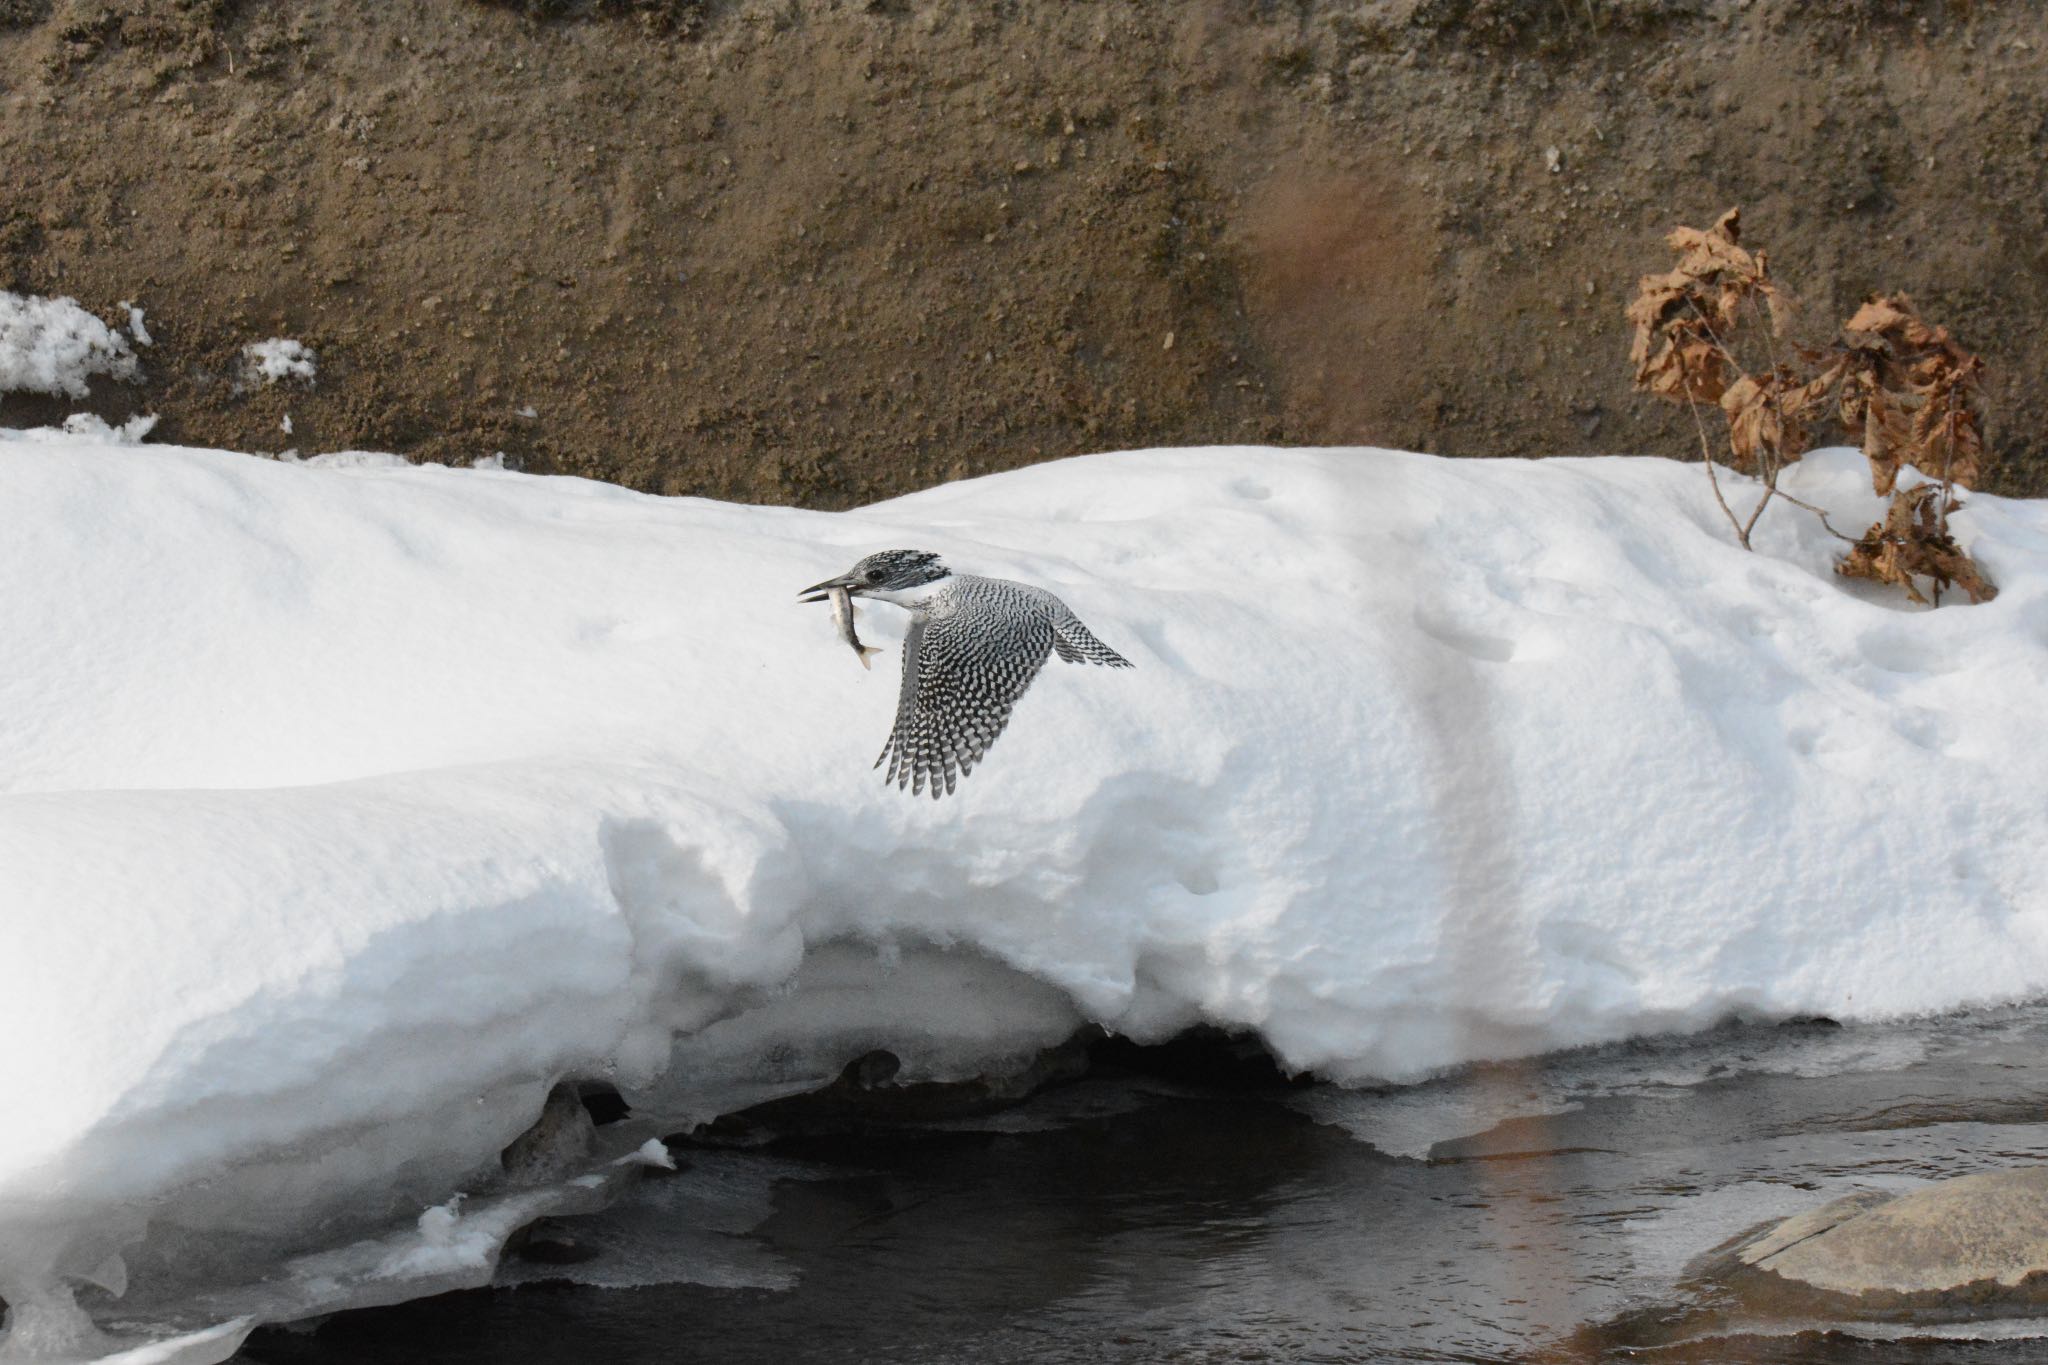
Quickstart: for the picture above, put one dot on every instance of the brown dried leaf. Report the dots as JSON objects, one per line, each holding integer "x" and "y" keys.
{"x": 1771, "y": 417}
{"x": 1801, "y": 401}
{"x": 1684, "y": 317}
{"x": 1891, "y": 318}
{"x": 1682, "y": 368}
{"x": 1913, "y": 392}
{"x": 1702, "y": 253}
{"x": 1946, "y": 441}
{"x": 1887, "y": 435}
{"x": 1670, "y": 339}
{"x": 1752, "y": 423}
{"x": 1910, "y": 542}
{"x": 1657, "y": 296}
{"x": 1881, "y": 316}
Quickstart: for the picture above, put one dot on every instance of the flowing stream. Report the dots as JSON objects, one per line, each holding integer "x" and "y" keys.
{"x": 1543, "y": 1211}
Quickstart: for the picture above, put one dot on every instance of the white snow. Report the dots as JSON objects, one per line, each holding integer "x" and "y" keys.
{"x": 653, "y": 1153}
{"x": 136, "y": 327}
{"x": 54, "y": 346}
{"x": 94, "y": 428}
{"x": 347, "y": 459}
{"x": 347, "y": 805}
{"x": 278, "y": 359}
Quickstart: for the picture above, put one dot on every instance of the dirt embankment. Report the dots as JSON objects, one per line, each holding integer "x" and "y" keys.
{"x": 829, "y": 250}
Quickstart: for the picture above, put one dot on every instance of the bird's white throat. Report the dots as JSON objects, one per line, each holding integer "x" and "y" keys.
{"x": 910, "y": 597}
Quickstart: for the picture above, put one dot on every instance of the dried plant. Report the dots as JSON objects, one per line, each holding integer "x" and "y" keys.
{"x": 1912, "y": 393}
{"x": 1911, "y": 542}
{"x": 1687, "y": 324}
{"x": 1906, "y": 389}
{"x": 1684, "y": 317}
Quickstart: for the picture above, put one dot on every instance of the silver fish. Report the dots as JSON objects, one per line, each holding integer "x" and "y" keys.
{"x": 842, "y": 616}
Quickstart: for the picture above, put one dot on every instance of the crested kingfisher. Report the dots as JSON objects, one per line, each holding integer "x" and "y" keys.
{"x": 974, "y": 645}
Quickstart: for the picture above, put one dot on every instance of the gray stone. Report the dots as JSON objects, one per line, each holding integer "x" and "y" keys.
{"x": 1985, "y": 1232}
{"x": 558, "y": 1145}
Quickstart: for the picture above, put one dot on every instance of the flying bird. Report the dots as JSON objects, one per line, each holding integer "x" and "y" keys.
{"x": 974, "y": 645}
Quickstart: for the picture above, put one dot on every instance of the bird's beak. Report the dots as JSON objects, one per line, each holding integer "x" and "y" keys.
{"x": 818, "y": 592}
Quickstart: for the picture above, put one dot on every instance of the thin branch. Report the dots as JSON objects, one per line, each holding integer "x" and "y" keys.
{"x": 1770, "y": 482}
{"x": 1692, "y": 405}
{"x": 1948, "y": 460}
{"x": 1775, "y": 450}
{"x": 1822, "y": 514}
{"x": 1756, "y": 515}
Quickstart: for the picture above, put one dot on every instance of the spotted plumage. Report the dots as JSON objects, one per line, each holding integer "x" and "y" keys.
{"x": 973, "y": 647}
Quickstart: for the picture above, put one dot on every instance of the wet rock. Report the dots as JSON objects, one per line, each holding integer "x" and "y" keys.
{"x": 867, "y": 1097}
{"x": 1973, "y": 1246}
{"x": 559, "y": 1142}
{"x": 545, "y": 1243}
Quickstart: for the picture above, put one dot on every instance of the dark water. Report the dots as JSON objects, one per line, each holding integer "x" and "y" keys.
{"x": 1543, "y": 1212}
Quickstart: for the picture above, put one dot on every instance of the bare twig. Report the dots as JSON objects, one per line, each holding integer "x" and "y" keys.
{"x": 1948, "y": 481}
{"x": 1819, "y": 512}
{"x": 1770, "y": 482}
{"x": 1707, "y": 453}
{"x": 1771, "y": 459}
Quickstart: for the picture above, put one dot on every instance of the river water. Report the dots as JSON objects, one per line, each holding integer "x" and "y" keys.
{"x": 1544, "y": 1211}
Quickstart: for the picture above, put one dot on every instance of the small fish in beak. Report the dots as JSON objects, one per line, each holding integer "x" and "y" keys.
{"x": 835, "y": 590}
{"x": 842, "y": 616}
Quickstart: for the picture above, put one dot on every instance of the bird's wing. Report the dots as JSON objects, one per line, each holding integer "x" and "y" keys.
{"x": 1077, "y": 644}
{"x": 962, "y": 672}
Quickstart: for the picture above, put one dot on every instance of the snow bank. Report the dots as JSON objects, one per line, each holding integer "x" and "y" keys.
{"x": 54, "y": 346}
{"x": 344, "y": 807}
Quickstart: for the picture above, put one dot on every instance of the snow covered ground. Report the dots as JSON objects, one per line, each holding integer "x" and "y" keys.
{"x": 345, "y": 806}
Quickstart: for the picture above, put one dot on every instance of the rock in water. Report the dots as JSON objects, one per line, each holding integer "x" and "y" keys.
{"x": 559, "y": 1142}
{"x": 1975, "y": 1243}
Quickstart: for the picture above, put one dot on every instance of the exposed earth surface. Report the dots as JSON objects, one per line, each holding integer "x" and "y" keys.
{"x": 825, "y": 251}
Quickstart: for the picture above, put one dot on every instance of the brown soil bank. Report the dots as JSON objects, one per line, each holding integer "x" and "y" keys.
{"x": 829, "y": 250}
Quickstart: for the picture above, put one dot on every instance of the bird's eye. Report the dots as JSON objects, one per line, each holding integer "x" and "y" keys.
{"x": 874, "y": 575}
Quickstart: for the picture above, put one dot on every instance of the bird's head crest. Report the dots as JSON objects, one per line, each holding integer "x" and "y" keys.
{"x": 895, "y": 570}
